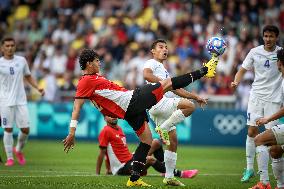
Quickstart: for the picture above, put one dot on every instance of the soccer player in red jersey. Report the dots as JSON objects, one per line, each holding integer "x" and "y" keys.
{"x": 113, "y": 146}
{"x": 130, "y": 105}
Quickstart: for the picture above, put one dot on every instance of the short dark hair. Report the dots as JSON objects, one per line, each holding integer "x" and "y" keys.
{"x": 87, "y": 55}
{"x": 153, "y": 46}
{"x": 280, "y": 55}
{"x": 7, "y": 38}
{"x": 271, "y": 28}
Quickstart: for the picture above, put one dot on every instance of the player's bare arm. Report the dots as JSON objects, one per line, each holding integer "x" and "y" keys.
{"x": 34, "y": 84}
{"x": 239, "y": 76}
{"x": 100, "y": 160}
{"x": 150, "y": 77}
{"x": 273, "y": 117}
{"x": 185, "y": 94}
{"x": 69, "y": 141}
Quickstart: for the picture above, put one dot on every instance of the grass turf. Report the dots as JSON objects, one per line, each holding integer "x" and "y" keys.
{"x": 49, "y": 167}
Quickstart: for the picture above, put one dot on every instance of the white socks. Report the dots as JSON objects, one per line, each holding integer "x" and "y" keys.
{"x": 176, "y": 117}
{"x": 278, "y": 171}
{"x": 170, "y": 163}
{"x": 262, "y": 162}
{"x": 22, "y": 138}
{"x": 8, "y": 144}
{"x": 250, "y": 152}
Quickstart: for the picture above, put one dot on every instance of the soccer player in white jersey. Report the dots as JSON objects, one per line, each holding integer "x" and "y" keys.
{"x": 13, "y": 101}
{"x": 274, "y": 137}
{"x": 171, "y": 110}
{"x": 264, "y": 100}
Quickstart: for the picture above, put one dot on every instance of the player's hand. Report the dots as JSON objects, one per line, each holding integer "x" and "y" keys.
{"x": 69, "y": 142}
{"x": 261, "y": 121}
{"x": 41, "y": 91}
{"x": 234, "y": 85}
{"x": 202, "y": 102}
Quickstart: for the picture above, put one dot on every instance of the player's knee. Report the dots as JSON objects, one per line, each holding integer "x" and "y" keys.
{"x": 276, "y": 151}
{"x": 150, "y": 160}
{"x": 156, "y": 143}
{"x": 252, "y": 131}
{"x": 258, "y": 140}
{"x": 25, "y": 130}
{"x": 8, "y": 130}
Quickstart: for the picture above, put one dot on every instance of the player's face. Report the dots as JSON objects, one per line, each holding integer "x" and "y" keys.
{"x": 269, "y": 39}
{"x": 161, "y": 51}
{"x": 110, "y": 120}
{"x": 94, "y": 67}
{"x": 8, "y": 48}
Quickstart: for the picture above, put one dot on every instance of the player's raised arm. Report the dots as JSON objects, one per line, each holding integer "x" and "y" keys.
{"x": 69, "y": 141}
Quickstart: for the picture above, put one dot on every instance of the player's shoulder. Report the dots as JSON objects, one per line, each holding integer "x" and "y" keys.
{"x": 20, "y": 59}
{"x": 257, "y": 49}
{"x": 151, "y": 62}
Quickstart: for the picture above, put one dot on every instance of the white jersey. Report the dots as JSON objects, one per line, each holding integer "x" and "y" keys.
{"x": 267, "y": 80}
{"x": 12, "y": 72}
{"x": 159, "y": 71}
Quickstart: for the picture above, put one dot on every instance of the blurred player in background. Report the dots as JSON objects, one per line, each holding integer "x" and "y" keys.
{"x": 13, "y": 101}
{"x": 265, "y": 98}
{"x": 274, "y": 137}
{"x": 118, "y": 102}
{"x": 172, "y": 109}
{"x": 113, "y": 145}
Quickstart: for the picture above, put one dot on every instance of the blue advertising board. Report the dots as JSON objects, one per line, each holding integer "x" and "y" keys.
{"x": 204, "y": 127}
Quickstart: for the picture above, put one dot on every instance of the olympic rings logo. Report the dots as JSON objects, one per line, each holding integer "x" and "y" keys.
{"x": 229, "y": 124}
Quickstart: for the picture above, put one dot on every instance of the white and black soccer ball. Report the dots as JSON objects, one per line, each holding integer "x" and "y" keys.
{"x": 216, "y": 46}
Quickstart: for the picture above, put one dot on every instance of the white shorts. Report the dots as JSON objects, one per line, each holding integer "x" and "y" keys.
{"x": 12, "y": 114}
{"x": 163, "y": 110}
{"x": 278, "y": 131}
{"x": 258, "y": 108}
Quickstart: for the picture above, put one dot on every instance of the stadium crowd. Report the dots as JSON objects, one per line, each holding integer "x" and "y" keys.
{"x": 50, "y": 34}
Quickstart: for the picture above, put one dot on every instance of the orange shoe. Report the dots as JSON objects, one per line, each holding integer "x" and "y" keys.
{"x": 260, "y": 185}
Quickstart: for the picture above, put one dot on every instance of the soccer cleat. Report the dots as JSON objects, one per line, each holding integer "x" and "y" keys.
{"x": 9, "y": 162}
{"x": 164, "y": 135}
{"x": 138, "y": 182}
{"x": 189, "y": 173}
{"x": 260, "y": 185}
{"x": 20, "y": 157}
{"x": 247, "y": 174}
{"x": 211, "y": 65}
{"x": 172, "y": 182}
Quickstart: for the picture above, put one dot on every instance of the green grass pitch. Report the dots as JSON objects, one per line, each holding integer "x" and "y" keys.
{"x": 49, "y": 167}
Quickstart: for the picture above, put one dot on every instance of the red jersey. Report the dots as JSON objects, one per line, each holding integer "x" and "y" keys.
{"x": 109, "y": 98}
{"x": 117, "y": 150}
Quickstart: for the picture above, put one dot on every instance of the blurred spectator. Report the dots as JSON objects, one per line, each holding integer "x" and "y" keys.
{"x": 51, "y": 34}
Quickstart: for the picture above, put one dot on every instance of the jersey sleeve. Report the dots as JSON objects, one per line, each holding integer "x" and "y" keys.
{"x": 26, "y": 67}
{"x": 248, "y": 62}
{"x": 103, "y": 138}
{"x": 149, "y": 64}
{"x": 85, "y": 89}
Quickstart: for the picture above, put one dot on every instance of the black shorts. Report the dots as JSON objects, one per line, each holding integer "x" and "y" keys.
{"x": 143, "y": 98}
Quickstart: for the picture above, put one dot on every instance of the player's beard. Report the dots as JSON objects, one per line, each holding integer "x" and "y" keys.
{"x": 114, "y": 122}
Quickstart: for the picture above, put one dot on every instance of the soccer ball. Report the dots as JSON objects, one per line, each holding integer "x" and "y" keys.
{"x": 216, "y": 46}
